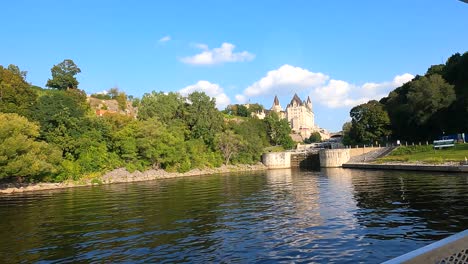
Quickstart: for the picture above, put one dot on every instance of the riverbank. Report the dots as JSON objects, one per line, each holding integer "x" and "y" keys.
{"x": 446, "y": 167}
{"x": 122, "y": 175}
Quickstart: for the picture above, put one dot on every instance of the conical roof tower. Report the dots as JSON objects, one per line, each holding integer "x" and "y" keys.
{"x": 309, "y": 103}
{"x": 276, "y": 105}
{"x": 295, "y": 99}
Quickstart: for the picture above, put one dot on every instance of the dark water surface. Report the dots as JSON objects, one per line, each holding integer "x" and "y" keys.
{"x": 335, "y": 215}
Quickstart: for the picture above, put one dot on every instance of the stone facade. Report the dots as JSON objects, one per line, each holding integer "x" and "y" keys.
{"x": 300, "y": 116}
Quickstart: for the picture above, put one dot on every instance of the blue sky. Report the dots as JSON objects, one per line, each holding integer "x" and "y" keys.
{"x": 340, "y": 53}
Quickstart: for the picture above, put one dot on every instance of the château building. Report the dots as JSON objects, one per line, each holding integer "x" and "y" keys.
{"x": 299, "y": 114}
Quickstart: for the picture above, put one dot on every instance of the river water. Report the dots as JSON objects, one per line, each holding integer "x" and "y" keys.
{"x": 336, "y": 215}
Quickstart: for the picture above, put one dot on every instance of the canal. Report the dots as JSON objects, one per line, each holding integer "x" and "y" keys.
{"x": 289, "y": 216}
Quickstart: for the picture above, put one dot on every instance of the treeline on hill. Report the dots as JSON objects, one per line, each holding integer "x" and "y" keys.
{"x": 423, "y": 109}
{"x": 242, "y": 110}
{"x": 53, "y": 135}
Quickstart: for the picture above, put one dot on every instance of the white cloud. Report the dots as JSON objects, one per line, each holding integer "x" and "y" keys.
{"x": 399, "y": 80}
{"x": 241, "y": 99}
{"x": 211, "y": 89}
{"x": 165, "y": 39}
{"x": 286, "y": 77}
{"x": 200, "y": 46}
{"x": 331, "y": 93}
{"x": 343, "y": 94}
{"x": 335, "y": 94}
{"x": 217, "y": 55}
{"x": 103, "y": 92}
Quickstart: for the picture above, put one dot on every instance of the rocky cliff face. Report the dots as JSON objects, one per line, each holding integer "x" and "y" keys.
{"x": 111, "y": 106}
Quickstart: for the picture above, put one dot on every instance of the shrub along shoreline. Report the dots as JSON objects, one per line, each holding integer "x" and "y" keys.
{"x": 121, "y": 175}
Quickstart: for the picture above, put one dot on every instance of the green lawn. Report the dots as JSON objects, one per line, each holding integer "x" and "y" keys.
{"x": 426, "y": 154}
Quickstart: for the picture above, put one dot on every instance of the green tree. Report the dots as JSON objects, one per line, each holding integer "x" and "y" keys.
{"x": 136, "y": 102}
{"x": 119, "y": 96}
{"x": 428, "y": 95}
{"x": 255, "y": 108}
{"x": 456, "y": 73}
{"x": 63, "y": 75}
{"x": 279, "y": 131}
{"x": 113, "y": 92}
{"x": 243, "y": 111}
{"x": 314, "y": 137}
{"x": 157, "y": 146}
{"x": 346, "y": 130}
{"x": 429, "y": 105}
{"x": 121, "y": 99}
{"x": 370, "y": 122}
{"x": 230, "y": 110}
{"x": 436, "y": 69}
{"x": 16, "y": 96}
{"x": 20, "y": 154}
{"x": 229, "y": 144}
{"x": 202, "y": 117}
{"x": 60, "y": 114}
{"x": 16, "y": 70}
{"x": 164, "y": 107}
{"x": 254, "y": 133}
{"x": 201, "y": 156}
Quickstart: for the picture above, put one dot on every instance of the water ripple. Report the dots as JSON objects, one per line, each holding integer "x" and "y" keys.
{"x": 283, "y": 216}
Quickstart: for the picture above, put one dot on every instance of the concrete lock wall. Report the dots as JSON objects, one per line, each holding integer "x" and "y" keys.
{"x": 360, "y": 151}
{"x": 277, "y": 160}
{"x": 330, "y": 158}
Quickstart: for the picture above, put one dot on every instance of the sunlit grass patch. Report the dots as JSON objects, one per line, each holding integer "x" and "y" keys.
{"x": 427, "y": 154}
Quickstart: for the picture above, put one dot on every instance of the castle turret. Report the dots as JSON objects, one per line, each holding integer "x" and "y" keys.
{"x": 276, "y": 105}
{"x": 309, "y": 103}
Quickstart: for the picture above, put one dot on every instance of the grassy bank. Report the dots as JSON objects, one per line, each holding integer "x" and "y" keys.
{"x": 427, "y": 154}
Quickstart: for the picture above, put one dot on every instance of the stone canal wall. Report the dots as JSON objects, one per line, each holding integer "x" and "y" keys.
{"x": 326, "y": 158}
{"x": 277, "y": 160}
{"x": 332, "y": 158}
{"x": 308, "y": 160}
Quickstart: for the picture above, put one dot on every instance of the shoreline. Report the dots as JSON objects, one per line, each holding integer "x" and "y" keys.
{"x": 447, "y": 167}
{"x": 121, "y": 175}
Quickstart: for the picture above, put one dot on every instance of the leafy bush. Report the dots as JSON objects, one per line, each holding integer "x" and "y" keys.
{"x": 20, "y": 154}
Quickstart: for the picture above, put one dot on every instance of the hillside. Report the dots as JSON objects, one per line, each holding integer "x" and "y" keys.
{"x": 102, "y": 107}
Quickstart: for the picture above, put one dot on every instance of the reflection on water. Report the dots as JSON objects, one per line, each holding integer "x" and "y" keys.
{"x": 335, "y": 215}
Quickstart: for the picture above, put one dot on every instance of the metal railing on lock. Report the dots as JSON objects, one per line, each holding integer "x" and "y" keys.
{"x": 453, "y": 249}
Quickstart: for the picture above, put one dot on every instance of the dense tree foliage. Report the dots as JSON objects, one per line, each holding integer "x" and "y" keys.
{"x": 423, "y": 109}
{"x": 253, "y": 131}
{"x": 243, "y": 110}
{"x": 279, "y": 131}
{"x": 313, "y": 138}
{"x": 16, "y": 95}
{"x": 16, "y": 70}
{"x": 63, "y": 75}
{"x": 202, "y": 117}
{"x": 164, "y": 107}
{"x": 229, "y": 144}
{"x": 53, "y": 134}
{"x": 20, "y": 154}
{"x": 370, "y": 122}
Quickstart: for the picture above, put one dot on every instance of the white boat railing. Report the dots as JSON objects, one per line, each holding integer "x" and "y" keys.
{"x": 453, "y": 249}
